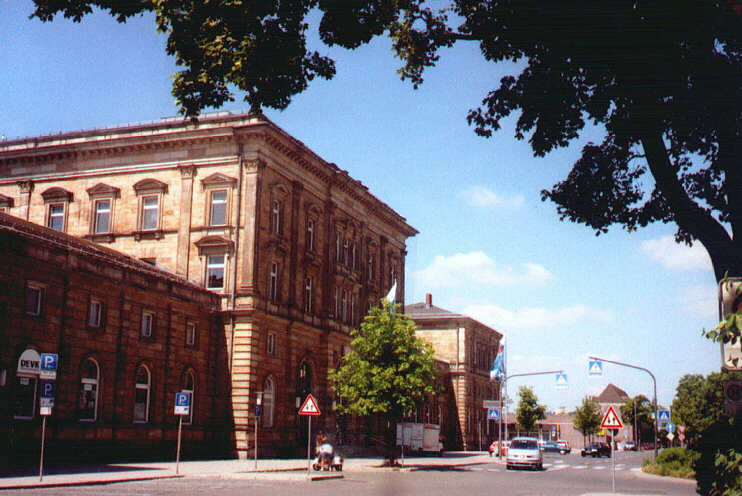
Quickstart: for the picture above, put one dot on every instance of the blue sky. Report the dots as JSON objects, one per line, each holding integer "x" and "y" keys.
{"x": 488, "y": 246}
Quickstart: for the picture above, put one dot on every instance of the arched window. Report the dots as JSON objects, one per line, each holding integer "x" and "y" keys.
{"x": 189, "y": 386}
{"x": 89, "y": 381}
{"x": 141, "y": 395}
{"x": 269, "y": 393}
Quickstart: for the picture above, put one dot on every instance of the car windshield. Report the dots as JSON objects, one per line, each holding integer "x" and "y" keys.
{"x": 524, "y": 444}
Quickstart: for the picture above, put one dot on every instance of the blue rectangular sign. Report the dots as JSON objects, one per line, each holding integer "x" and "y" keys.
{"x": 493, "y": 414}
{"x": 47, "y": 389}
{"x": 182, "y": 403}
{"x": 663, "y": 416}
{"x": 48, "y": 366}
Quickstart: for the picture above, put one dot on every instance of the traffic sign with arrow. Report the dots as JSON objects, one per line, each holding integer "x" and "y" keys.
{"x": 611, "y": 421}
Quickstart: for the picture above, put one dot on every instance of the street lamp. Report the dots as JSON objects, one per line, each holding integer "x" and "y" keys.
{"x": 654, "y": 381}
{"x": 258, "y": 414}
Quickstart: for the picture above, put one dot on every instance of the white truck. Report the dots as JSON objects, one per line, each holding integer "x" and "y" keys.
{"x": 424, "y": 438}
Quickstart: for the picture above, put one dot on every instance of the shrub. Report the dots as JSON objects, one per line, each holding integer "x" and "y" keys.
{"x": 672, "y": 462}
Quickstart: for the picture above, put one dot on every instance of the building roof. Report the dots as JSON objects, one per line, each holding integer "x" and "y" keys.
{"x": 613, "y": 394}
{"x": 18, "y": 227}
{"x": 418, "y": 310}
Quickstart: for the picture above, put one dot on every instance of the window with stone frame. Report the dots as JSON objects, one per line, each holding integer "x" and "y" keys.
{"x": 57, "y": 202}
{"x": 344, "y": 306}
{"x": 6, "y": 203}
{"x": 276, "y": 209}
{"x": 102, "y": 198}
{"x": 310, "y": 234}
{"x": 191, "y": 331}
{"x": 273, "y": 284}
{"x": 308, "y": 294}
{"x": 215, "y": 271}
{"x": 89, "y": 391}
{"x": 271, "y": 344}
{"x": 336, "y": 299}
{"x": 147, "y": 326}
{"x": 150, "y": 196}
{"x": 142, "y": 386}
{"x": 269, "y": 395}
{"x": 95, "y": 313}
{"x": 218, "y": 189}
{"x": 34, "y": 298}
{"x": 188, "y": 385}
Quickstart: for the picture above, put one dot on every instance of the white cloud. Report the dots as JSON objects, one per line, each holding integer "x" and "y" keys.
{"x": 677, "y": 256}
{"x": 481, "y": 197}
{"x": 477, "y": 268}
{"x": 535, "y": 317}
{"x": 700, "y": 301}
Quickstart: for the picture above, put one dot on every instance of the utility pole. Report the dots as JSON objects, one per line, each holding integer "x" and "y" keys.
{"x": 654, "y": 381}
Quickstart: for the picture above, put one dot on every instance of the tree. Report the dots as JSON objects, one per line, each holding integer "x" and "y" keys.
{"x": 644, "y": 415}
{"x": 388, "y": 371}
{"x": 587, "y": 417}
{"x": 529, "y": 412}
{"x": 663, "y": 79}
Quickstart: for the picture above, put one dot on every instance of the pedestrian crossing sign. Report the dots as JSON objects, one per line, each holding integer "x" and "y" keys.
{"x": 561, "y": 382}
{"x": 595, "y": 368}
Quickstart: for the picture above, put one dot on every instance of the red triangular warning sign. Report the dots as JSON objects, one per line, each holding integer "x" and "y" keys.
{"x": 611, "y": 421}
{"x": 309, "y": 407}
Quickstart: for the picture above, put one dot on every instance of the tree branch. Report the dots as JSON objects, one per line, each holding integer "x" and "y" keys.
{"x": 689, "y": 216}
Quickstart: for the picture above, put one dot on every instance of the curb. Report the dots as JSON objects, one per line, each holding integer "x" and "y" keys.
{"x": 42, "y": 485}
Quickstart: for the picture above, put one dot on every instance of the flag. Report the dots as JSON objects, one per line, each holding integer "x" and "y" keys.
{"x": 498, "y": 366}
{"x": 392, "y": 294}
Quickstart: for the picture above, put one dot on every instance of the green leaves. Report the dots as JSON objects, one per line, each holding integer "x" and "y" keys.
{"x": 389, "y": 370}
{"x": 529, "y": 412}
{"x": 587, "y": 417}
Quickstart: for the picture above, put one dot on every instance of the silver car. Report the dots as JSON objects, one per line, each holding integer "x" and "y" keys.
{"x": 524, "y": 452}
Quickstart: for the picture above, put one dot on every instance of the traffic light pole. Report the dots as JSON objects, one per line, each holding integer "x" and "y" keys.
{"x": 654, "y": 381}
{"x": 504, "y": 405}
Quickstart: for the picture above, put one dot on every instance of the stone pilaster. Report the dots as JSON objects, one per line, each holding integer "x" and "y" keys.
{"x": 250, "y": 252}
{"x": 184, "y": 226}
{"x": 296, "y": 190}
{"x": 26, "y": 188}
{"x": 328, "y": 262}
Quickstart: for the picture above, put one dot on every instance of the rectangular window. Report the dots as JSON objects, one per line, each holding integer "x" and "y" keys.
{"x": 354, "y": 257}
{"x": 55, "y": 219}
{"x": 190, "y": 337}
{"x": 337, "y": 303}
{"x": 218, "y": 208}
{"x": 215, "y": 272}
{"x": 94, "y": 313}
{"x": 148, "y": 319}
{"x": 370, "y": 267}
{"x": 88, "y": 400}
{"x": 33, "y": 299}
{"x": 141, "y": 402}
{"x": 346, "y": 259}
{"x": 310, "y": 235}
{"x": 102, "y": 217}
{"x": 271, "y": 348}
{"x": 337, "y": 247}
{"x": 150, "y": 212}
{"x": 308, "y": 295}
{"x": 345, "y": 306}
{"x": 25, "y": 398}
{"x": 276, "y": 217}
{"x": 273, "y": 289}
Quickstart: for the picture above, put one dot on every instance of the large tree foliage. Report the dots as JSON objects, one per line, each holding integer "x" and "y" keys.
{"x": 587, "y": 417}
{"x": 663, "y": 78}
{"x": 388, "y": 371}
{"x": 639, "y": 408}
{"x": 529, "y": 412}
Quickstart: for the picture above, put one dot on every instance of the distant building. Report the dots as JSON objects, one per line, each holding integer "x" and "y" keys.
{"x": 469, "y": 348}
{"x": 614, "y": 396}
{"x": 295, "y": 248}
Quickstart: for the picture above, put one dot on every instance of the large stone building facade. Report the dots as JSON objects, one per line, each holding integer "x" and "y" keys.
{"x": 296, "y": 249}
{"x": 128, "y": 336}
{"x": 469, "y": 348}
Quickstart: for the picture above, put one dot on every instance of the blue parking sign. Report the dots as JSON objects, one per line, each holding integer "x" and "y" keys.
{"x": 48, "y": 366}
{"x": 182, "y": 403}
{"x": 47, "y": 389}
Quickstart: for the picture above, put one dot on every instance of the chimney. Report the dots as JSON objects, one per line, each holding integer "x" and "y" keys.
{"x": 428, "y": 300}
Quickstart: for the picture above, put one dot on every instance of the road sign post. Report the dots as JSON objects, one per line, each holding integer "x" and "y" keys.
{"x": 182, "y": 408}
{"x": 47, "y": 374}
{"x": 310, "y": 409}
{"x": 611, "y": 421}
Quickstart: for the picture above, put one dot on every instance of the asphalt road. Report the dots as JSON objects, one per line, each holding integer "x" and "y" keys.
{"x": 563, "y": 475}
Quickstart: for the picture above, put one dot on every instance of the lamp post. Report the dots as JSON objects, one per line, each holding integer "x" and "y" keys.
{"x": 504, "y": 405}
{"x": 258, "y": 414}
{"x": 654, "y": 381}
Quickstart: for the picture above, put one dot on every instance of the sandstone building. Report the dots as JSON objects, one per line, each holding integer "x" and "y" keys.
{"x": 469, "y": 347}
{"x": 128, "y": 335}
{"x": 295, "y": 248}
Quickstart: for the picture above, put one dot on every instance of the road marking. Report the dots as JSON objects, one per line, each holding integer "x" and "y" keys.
{"x": 560, "y": 467}
{"x": 493, "y": 470}
{"x": 580, "y": 466}
{"x": 476, "y": 469}
{"x": 599, "y": 467}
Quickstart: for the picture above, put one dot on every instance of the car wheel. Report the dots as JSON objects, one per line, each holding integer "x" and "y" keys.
{"x": 508, "y": 467}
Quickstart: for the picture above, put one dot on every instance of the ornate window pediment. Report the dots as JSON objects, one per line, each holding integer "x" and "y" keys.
{"x": 214, "y": 241}
{"x": 150, "y": 185}
{"x": 102, "y": 189}
{"x": 57, "y": 194}
{"x": 218, "y": 178}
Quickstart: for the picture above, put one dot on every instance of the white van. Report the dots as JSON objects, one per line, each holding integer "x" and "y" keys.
{"x": 524, "y": 452}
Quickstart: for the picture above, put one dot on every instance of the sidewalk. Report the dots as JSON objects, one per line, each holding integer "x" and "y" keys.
{"x": 294, "y": 469}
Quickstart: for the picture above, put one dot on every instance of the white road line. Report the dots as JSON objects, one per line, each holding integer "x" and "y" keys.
{"x": 599, "y": 467}
{"x": 560, "y": 467}
{"x": 493, "y": 470}
{"x": 476, "y": 469}
{"x": 579, "y": 466}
